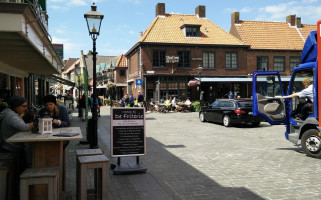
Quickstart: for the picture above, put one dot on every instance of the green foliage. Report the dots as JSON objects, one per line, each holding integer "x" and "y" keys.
{"x": 107, "y": 101}
{"x": 196, "y": 106}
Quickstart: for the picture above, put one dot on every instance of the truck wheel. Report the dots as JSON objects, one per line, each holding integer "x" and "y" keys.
{"x": 202, "y": 117}
{"x": 311, "y": 143}
{"x": 226, "y": 121}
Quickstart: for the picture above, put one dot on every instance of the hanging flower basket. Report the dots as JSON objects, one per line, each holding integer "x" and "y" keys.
{"x": 193, "y": 83}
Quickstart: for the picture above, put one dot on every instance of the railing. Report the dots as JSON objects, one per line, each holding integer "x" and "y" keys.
{"x": 40, "y": 14}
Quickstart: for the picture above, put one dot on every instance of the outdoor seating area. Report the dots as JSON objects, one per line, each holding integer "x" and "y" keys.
{"x": 165, "y": 108}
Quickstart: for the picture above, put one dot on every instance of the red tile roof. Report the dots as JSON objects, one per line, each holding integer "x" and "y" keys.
{"x": 271, "y": 35}
{"x": 167, "y": 29}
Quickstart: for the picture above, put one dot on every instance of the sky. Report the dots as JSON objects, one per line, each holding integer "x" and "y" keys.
{"x": 124, "y": 19}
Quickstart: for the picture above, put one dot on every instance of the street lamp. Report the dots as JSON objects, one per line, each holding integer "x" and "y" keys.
{"x": 94, "y": 19}
{"x": 200, "y": 71}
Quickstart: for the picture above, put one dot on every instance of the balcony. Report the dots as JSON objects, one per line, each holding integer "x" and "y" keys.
{"x": 25, "y": 44}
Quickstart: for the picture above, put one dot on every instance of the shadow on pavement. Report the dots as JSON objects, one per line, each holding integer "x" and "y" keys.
{"x": 182, "y": 181}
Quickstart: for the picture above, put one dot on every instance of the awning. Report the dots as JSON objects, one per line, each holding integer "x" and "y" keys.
{"x": 233, "y": 79}
{"x": 102, "y": 86}
{"x": 121, "y": 84}
{"x": 225, "y": 79}
{"x": 61, "y": 80}
{"x": 25, "y": 45}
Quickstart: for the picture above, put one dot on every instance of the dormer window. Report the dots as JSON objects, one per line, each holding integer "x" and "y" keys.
{"x": 191, "y": 30}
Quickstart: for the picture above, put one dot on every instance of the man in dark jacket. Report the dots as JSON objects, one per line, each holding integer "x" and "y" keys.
{"x": 140, "y": 99}
{"x": 131, "y": 100}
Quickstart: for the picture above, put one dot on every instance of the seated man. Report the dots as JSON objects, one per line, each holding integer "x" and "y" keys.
{"x": 304, "y": 109}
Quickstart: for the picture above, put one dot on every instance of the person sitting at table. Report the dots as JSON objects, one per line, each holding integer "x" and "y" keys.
{"x": 59, "y": 113}
{"x": 188, "y": 102}
{"x": 11, "y": 122}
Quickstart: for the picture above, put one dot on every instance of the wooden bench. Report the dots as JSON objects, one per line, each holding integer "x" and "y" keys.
{"x": 36, "y": 176}
{"x": 99, "y": 163}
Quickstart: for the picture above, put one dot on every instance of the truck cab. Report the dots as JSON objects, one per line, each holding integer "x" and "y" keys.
{"x": 269, "y": 101}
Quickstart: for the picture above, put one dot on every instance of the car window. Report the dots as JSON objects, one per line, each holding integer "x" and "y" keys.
{"x": 215, "y": 104}
{"x": 245, "y": 103}
{"x": 226, "y": 104}
{"x": 229, "y": 104}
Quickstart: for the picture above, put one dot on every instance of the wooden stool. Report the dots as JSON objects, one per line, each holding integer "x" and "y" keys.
{"x": 12, "y": 182}
{"x": 88, "y": 152}
{"x": 98, "y": 162}
{"x": 4, "y": 170}
{"x": 35, "y": 176}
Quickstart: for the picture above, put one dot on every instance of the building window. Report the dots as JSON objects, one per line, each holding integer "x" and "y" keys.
{"x": 279, "y": 63}
{"x": 294, "y": 61}
{"x": 209, "y": 60}
{"x": 184, "y": 59}
{"x": 231, "y": 60}
{"x": 159, "y": 59}
{"x": 262, "y": 63}
{"x": 129, "y": 65}
{"x": 122, "y": 72}
{"x": 139, "y": 61}
{"x": 192, "y": 31}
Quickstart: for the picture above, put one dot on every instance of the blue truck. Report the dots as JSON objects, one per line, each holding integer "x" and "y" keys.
{"x": 269, "y": 101}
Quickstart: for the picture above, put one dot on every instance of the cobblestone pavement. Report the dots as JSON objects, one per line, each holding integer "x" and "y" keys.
{"x": 191, "y": 160}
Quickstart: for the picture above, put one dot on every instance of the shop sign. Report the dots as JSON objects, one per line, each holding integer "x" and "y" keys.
{"x": 128, "y": 136}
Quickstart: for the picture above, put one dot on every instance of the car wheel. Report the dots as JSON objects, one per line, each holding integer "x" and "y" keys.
{"x": 226, "y": 121}
{"x": 202, "y": 117}
{"x": 311, "y": 143}
{"x": 255, "y": 123}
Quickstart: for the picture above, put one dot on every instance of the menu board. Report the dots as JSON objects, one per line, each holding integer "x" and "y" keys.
{"x": 127, "y": 131}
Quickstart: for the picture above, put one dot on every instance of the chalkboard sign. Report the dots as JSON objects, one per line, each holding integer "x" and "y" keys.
{"x": 127, "y": 131}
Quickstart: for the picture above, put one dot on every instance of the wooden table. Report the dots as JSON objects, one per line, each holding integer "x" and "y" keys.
{"x": 47, "y": 151}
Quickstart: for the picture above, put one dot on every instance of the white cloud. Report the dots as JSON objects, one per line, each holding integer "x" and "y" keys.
{"x": 133, "y": 32}
{"x": 70, "y": 48}
{"x": 113, "y": 52}
{"x": 77, "y": 3}
{"x": 56, "y": 1}
{"x": 130, "y": 1}
{"x": 309, "y": 1}
{"x": 246, "y": 10}
{"x": 59, "y": 8}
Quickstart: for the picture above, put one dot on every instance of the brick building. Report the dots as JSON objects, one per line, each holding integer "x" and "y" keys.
{"x": 169, "y": 52}
{"x": 274, "y": 46}
{"x": 196, "y": 41}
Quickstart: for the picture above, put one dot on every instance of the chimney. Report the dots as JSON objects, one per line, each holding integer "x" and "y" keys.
{"x": 235, "y": 18}
{"x": 160, "y": 9}
{"x": 298, "y": 22}
{"x": 291, "y": 20}
{"x": 200, "y": 11}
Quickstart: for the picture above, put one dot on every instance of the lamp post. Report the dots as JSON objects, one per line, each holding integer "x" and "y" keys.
{"x": 94, "y": 19}
{"x": 200, "y": 71}
{"x": 78, "y": 73}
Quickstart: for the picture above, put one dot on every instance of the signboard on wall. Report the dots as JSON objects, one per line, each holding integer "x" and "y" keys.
{"x": 59, "y": 49}
{"x": 128, "y": 136}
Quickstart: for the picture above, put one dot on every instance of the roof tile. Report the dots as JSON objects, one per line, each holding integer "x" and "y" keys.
{"x": 168, "y": 30}
{"x": 273, "y": 35}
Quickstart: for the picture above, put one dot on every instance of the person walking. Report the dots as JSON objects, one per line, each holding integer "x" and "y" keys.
{"x": 82, "y": 107}
{"x": 131, "y": 100}
{"x": 140, "y": 99}
{"x": 126, "y": 100}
